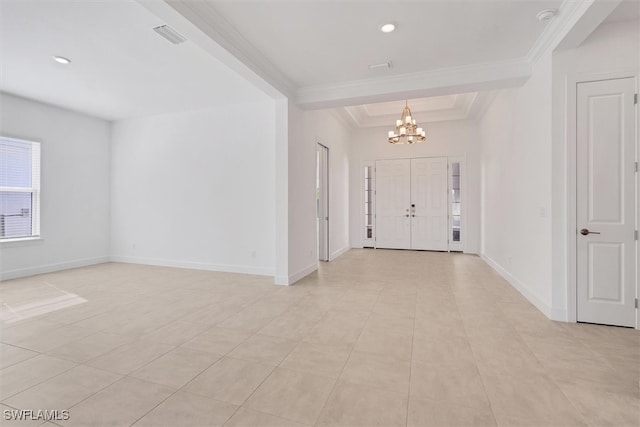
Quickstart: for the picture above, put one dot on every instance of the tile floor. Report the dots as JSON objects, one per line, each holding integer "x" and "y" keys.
{"x": 374, "y": 338}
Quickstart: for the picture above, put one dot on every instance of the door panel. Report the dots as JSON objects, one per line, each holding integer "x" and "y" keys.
{"x": 393, "y": 226}
{"x": 429, "y": 204}
{"x": 606, "y": 202}
{"x": 322, "y": 195}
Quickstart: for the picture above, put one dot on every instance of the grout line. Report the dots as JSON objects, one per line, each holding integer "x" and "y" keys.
{"x": 337, "y": 380}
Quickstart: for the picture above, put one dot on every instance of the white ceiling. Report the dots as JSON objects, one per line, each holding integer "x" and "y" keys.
{"x": 120, "y": 69}
{"x": 317, "y": 52}
{"x": 328, "y": 42}
{"x": 627, "y": 10}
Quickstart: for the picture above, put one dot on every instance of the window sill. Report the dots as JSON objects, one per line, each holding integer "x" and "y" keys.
{"x": 21, "y": 241}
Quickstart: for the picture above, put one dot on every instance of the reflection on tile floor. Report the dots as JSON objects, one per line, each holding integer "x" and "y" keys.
{"x": 373, "y": 338}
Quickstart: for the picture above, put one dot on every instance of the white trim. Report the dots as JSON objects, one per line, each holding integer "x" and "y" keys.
{"x": 19, "y": 240}
{"x": 49, "y": 268}
{"x": 339, "y": 252}
{"x": 422, "y": 84}
{"x": 568, "y": 14}
{"x": 522, "y": 288}
{"x": 244, "y": 269}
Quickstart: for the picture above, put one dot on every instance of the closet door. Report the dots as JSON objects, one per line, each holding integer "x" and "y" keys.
{"x": 429, "y": 204}
{"x": 393, "y": 192}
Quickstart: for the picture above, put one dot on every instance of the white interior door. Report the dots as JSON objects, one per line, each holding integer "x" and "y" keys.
{"x": 393, "y": 192}
{"x": 322, "y": 200}
{"x": 606, "y": 202}
{"x": 429, "y": 204}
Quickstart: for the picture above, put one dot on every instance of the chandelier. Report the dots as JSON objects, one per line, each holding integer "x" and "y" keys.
{"x": 406, "y": 131}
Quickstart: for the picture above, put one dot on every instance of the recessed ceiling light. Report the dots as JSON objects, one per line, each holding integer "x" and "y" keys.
{"x": 387, "y": 28}
{"x": 547, "y": 14}
{"x": 61, "y": 60}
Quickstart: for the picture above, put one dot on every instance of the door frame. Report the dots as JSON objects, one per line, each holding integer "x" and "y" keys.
{"x": 571, "y": 181}
{"x": 323, "y": 201}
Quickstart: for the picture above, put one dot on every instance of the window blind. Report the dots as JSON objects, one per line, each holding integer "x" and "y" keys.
{"x": 19, "y": 188}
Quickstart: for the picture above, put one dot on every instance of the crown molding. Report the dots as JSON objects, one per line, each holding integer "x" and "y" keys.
{"x": 447, "y": 81}
{"x": 460, "y": 109}
{"x": 343, "y": 117}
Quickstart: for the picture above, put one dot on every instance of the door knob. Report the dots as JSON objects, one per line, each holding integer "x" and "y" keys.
{"x": 407, "y": 215}
{"x": 586, "y": 231}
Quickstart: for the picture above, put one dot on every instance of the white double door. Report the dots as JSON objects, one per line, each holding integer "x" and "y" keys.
{"x": 606, "y": 203}
{"x": 411, "y": 204}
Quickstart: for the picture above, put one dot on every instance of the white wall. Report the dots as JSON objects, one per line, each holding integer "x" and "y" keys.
{"x": 453, "y": 138}
{"x": 612, "y": 50}
{"x": 196, "y": 189}
{"x": 74, "y": 188}
{"x": 306, "y": 129}
{"x": 516, "y": 185}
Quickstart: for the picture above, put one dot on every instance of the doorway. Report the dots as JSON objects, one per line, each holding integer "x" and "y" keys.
{"x": 606, "y": 215}
{"x": 322, "y": 201}
{"x": 411, "y": 204}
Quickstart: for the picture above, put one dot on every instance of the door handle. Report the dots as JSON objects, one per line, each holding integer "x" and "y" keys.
{"x": 407, "y": 215}
{"x": 586, "y": 232}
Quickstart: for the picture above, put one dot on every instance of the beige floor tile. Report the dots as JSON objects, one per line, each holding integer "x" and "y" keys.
{"x": 353, "y": 405}
{"x": 436, "y": 382}
{"x": 264, "y": 349}
{"x": 188, "y": 410}
{"x": 176, "y": 368}
{"x": 122, "y": 403}
{"x": 593, "y": 373}
{"x": 532, "y": 399}
{"x": 320, "y": 359}
{"x": 13, "y": 333}
{"x": 252, "y": 319}
{"x": 90, "y": 347}
{"x": 212, "y": 314}
{"x": 385, "y": 342}
{"x": 47, "y": 340}
{"x": 451, "y": 315}
{"x": 338, "y": 328}
{"x": 10, "y": 355}
{"x": 65, "y": 390}
{"x": 129, "y": 357}
{"x": 377, "y": 371}
{"x": 601, "y": 408}
{"x": 294, "y": 395}
{"x": 427, "y": 413}
{"x": 175, "y": 333}
{"x": 229, "y": 380}
{"x": 217, "y": 340}
{"x": 290, "y": 326}
{"x": 250, "y": 418}
{"x": 21, "y": 376}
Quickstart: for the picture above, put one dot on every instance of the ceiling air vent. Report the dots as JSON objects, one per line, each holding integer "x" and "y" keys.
{"x": 170, "y": 34}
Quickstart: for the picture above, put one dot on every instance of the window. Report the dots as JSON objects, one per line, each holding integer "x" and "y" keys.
{"x": 456, "y": 195}
{"x": 19, "y": 189}
{"x": 368, "y": 206}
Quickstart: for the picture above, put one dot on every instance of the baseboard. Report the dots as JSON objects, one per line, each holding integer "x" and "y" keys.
{"x": 339, "y": 252}
{"x": 293, "y": 278}
{"x": 519, "y": 286}
{"x": 226, "y": 268}
{"x": 50, "y": 268}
